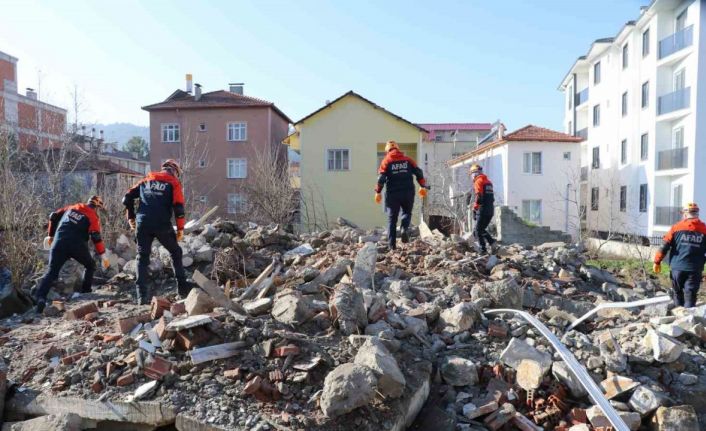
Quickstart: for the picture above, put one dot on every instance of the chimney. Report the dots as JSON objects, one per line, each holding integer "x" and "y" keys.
{"x": 189, "y": 83}
{"x": 31, "y": 93}
{"x": 101, "y": 135}
{"x": 197, "y": 92}
{"x": 236, "y": 87}
{"x": 501, "y": 131}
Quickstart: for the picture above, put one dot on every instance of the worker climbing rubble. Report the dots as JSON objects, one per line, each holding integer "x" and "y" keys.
{"x": 482, "y": 208}
{"x": 69, "y": 230}
{"x": 160, "y": 194}
{"x": 686, "y": 246}
{"x": 396, "y": 175}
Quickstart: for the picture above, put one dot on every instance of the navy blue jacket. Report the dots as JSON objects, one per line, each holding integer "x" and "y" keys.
{"x": 397, "y": 173}
{"x": 160, "y": 196}
{"x": 75, "y": 224}
{"x": 686, "y": 244}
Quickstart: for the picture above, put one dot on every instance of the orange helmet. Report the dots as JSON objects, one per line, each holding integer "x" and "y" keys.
{"x": 96, "y": 202}
{"x": 691, "y": 208}
{"x": 476, "y": 168}
{"x": 173, "y": 166}
{"x": 391, "y": 145}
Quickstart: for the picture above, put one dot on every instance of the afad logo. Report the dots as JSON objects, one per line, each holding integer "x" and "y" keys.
{"x": 75, "y": 216}
{"x": 156, "y": 186}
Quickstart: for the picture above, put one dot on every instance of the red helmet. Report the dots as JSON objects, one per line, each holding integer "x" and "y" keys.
{"x": 172, "y": 165}
{"x": 97, "y": 202}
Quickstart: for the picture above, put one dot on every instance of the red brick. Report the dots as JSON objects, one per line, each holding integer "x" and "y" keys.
{"x": 108, "y": 338}
{"x": 189, "y": 338}
{"x": 126, "y": 379}
{"x": 161, "y": 329}
{"x": 59, "y": 305}
{"x": 158, "y": 305}
{"x": 178, "y": 308}
{"x": 276, "y": 376}
{"x": 79, "y": 312}
{"x": 158, "y": 368}
{"x": 60, "y": 385}
{"x": 91, "y": 316}
{"x": 51, "y": 351}
{"x": 496, "y": 329}
{"x": 287, "y": 350}
{"x": 68, "y": 360}
{"x": 97, "y": 387}
{"x": 126, "y": 324}
{"x": 235, "y": 373}
{"x": 253, "y": 385}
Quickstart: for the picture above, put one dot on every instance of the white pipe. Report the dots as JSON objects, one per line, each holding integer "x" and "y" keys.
{"x": 607, "y": 305}
{"x": 578, "y": 371}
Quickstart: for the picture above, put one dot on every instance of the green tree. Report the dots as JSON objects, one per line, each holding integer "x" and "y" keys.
{"x": 137, "y": 144}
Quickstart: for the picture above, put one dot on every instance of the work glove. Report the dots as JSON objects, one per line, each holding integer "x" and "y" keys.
{"x": 378, "y": 198}
{"x": 105, "y": 262}
{"x": 422, "y": 192}
{"x": 657, "y": 268}
{"x": 180, "y": 235}
{"x": 133, "y": 225}
{"x": 47, "y": 242}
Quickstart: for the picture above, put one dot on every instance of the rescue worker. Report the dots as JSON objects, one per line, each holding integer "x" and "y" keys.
{"x": 397, "y": 173}
{"x": 160, "y": 196}
{"x": 483, "y": 207}
{"x": 686, "y": 244}
{"x": 69, "y": 230}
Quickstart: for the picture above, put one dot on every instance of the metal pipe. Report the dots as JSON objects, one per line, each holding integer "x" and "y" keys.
{"x": 607, "y": 305}
{"x": 579, "y": 372}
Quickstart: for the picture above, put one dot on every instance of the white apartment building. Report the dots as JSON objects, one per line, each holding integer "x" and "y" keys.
{"x": 636, "y": 100}
{"x": 533, "y": 170}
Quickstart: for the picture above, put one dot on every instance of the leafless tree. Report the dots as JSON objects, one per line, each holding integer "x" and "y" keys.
{"x": 313, "y": 213}
{"x": 194, "y": 158}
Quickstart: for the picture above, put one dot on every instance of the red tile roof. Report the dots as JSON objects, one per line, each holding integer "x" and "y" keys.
{"x": 214, "y": 99}
{"x": 456, "y": 126}
{"x": 529, "y": 133}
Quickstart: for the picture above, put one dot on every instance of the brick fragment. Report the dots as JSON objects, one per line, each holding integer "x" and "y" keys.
{"x": 126, "y": 324}
{"x": 497, "y": 329}
{"x": 90, "y": 317}
{"x": 189, "y": 338}
{"x": 276, "y": 376}
{"x": 287, "y": 350}
{"x": 157, "y": 368}
{"x": 97, "y": 387}
{"x": 126, "y": 379}
{"x": 253, "y": 385}
{"x": 80, "y": 312}
{"x": 158, "y": 306}
{"x": 68, "y": 360}
{"x": 178, "y": 308}
{"x": 109, "y": 338}
{"x": 235, "y": 373}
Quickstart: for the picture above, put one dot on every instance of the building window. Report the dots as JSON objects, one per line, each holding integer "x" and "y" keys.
{"x": 202, "y": 163}
{"x": 644, "y": 142}
{"x": 596, "y": 162}
{"x": 646, "y": 43}
{"x": 532, "y": 163}
{"x": 643, "y": 198}
{"x": 645, "y": 95}
{"x": 678, "y": 137}
{"x": 623, "y": 198}
{"x": 624, "y": 105}
{"x": 625, "y": 56}
{"x": 170, "y": 132}
{"x": 594, "y": 199}
{"x": 532, "y": 211}
{"x": 338, "y": 160}
{"x": 624, "y": 151}
{"x": 202, "y": 127}
{"x": 567, "y": 155}
{"x": 237, "y": 168}
{"x": 597, "y": 73}
{"x": 237, "y": 131}
{"x": 237, "y": 203}
{"x": 596, "y": 115}
{"x": 439, "y": 137}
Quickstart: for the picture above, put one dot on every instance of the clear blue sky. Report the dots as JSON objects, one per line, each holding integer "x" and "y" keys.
{"x": 442, "y": 61}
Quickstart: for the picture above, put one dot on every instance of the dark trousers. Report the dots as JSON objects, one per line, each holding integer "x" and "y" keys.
{"x": 481, "y": 221}
{"x": 58, "y": 256}
{"x": 685, "y": 286}
{"x": 167, "y": 237}
{"x": 393, "y": 204}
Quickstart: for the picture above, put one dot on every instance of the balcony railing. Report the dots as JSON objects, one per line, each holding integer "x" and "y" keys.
{"x": 674, "y": 101}
{"x": 667, "y": 216}
{"x": 582, "y": 97}
{"x": 584, "y": 173}
{"x": 583, "y": 133}
{"x": 676, "y": 42}
{"x": 673, "y": 159}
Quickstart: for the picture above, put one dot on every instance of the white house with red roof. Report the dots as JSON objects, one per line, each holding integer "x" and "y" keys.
{"x": 534, "y": 172}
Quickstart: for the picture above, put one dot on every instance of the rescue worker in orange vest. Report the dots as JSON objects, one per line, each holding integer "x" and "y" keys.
{"x": 686, "y": 244}
{"x": 69, "y": 230}
{"x": 483, "y": 207}
{"x": 397, "y": 173}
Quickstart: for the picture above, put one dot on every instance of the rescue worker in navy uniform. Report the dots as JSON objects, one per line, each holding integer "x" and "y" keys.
{"x": 397, "y": 173}
{"x": 69, "y": 230}
{"x": 483, "y": 207}
{"x": 161, "y": 196}
{"x": 686, "y": 244}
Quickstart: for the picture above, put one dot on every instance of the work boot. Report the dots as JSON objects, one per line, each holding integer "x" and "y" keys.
{"x": 141, "y": 295}
{"x": 39, "y": 308}
{"x": 404, "y": 236}
{"x": 183, "y": 288}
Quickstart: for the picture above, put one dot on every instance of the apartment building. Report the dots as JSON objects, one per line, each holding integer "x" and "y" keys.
{"x": 215, "y": 136}
{"x": 636, "y": 101}
{"x": 33, "y": 123}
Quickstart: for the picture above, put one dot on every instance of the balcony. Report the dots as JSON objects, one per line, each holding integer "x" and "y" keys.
{"x": 676, "y": 42}
{"x": 584, "y": 173}
{"x": 583, "y": 133}
{"x": 667, "y": 216}
{"x": 673, "y": 159}
{"x": 674, "y": 101}
{"x": 582, "y": 97}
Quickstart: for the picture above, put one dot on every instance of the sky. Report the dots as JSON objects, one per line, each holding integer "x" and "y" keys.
{"x": 442, "y": 61}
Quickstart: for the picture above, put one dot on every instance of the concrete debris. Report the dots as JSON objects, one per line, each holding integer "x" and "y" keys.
{"x": 459, "y": 318}
{"x": 457, "y": 371}
{"x": 346, "y": 388}
{"x": 348, "y": 309}
{"x": 59, "y": 422}
{"x": 645, "y": 400}
{"x": 518, "y": 350}
{"x": 374, "y": 355}
{"x": 677, "y": 418}
{"x": 665, "y": 349}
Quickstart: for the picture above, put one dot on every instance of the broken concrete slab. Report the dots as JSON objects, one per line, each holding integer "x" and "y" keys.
{"x": 458, "y": 371}
{"x": 616, "y": 386}
{"x": 677, "y": 418}
{"x": 517, "y": 350}
{"x": 645, "y": 400}
{"x": 198, "y": 302}
{"x": 346, "y": 388}
{"x": 53, "y": 422}
{"x": 529, "y": 374}
{"x": 364, "y": 269}
{"x": 458, "y": 318}
{"x": 374, "y": 355}
{"x": 258, "y": 306}
{"x": 665, "y": 349}
{"x": 502, "y": 294}
{"x": 348, "y": 308}
{"x": 291, "y": 308}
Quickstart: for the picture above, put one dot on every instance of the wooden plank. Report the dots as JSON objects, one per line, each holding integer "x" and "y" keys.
{"x": 191, "y": 225}
{"x": 33, "y": 403}
{"x": 215, "y": 292}
{"x": 189, "y": 322}
{"x": 252, "y": 289}
{"x": 264, "y": 289}
{"x": 219, "y": 351}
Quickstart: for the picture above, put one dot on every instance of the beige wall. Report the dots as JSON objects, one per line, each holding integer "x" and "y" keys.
{"x": 264, "y": 127}
{"x": 357, "y": 126}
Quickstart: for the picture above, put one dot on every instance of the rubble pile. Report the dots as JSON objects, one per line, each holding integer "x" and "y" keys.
{"x": 331, "y": 330}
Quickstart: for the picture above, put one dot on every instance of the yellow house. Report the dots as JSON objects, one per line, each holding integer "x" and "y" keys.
{"x": 341, "y": 146}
